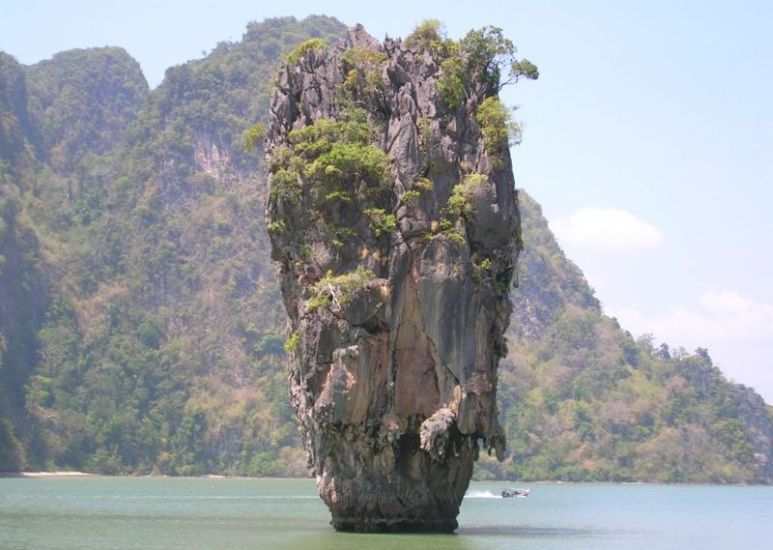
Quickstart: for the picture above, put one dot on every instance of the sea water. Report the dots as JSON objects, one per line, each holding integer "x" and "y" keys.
{"x": 202, "y": 513}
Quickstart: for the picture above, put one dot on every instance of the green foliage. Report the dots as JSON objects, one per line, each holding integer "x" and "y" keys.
{"x": 482, "y": 266}
{"x": 292, "y": 343}
{"x": 339, "y": 289}
{"x": 117, "y": 265}
{"x": 269, "y": 343}
{"x": 359, "y": 57}
{"x": 339, "y": 173}
{"x": 11, "y": 452}
{"x": 83, "y": 101}
{"x": 488, "y": 52}
{"x": 303, "y": 49}
{"x": 451, "y": 83}
{"x": 473, "y": 65}
{"x": 411, "y": 196}
{"x": 23, "y": 291}
{"x": 381, "y": 223}
{"x": 460, "y": 201}
{"x": 277, "y": 226}
{"x": 583, "y": 401}
{"x": 317, "y": 138}
{"x": 523, "y": 68}
{"x": 497, "y": 125}
{"x": 338, "y": 196}
{"x": 447, "y": 229}
{"x": 363, "y": 67}
{"x": 318, "y": 300}
{"x": 430, "y": 35}
{"x": 347, "y": 162}
{"x": 18, "y": 133}
{"x": 424, "y": 125}
{"x": 423, "y": 185}
{"x": 285, "y": 184}
{"x": 426, "y": 34}
{"x": 456, "y": 237}
{"x": 254, "y": 136}
{"x": 150, "y": 332}
{"x": 332, "y": 151}
{"x": 144, "y": 254}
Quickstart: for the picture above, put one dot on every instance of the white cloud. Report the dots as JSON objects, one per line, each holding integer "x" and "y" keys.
{"x": 717, "y": 316}
{"x": 607, "y": 230}
{"x": 735, "y": 307}
{"x": 736, "y": 329}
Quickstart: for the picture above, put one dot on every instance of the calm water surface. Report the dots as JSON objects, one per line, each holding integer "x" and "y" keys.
{"x": 236, "y": 514}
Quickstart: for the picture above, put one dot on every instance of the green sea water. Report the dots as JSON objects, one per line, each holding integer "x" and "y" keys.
{"x": 235, "y": 514}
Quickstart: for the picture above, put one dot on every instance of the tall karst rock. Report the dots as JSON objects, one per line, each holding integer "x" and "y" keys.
{"x": 394, "y": 219}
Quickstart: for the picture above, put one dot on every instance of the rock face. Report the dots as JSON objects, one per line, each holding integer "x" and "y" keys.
{"x": 395, "y": 225}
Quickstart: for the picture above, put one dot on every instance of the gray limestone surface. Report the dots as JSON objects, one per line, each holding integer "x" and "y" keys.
{"x": 397, "y": 334}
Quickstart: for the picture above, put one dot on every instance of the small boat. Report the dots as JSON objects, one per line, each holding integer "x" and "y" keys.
{"x": 520, "y": 493}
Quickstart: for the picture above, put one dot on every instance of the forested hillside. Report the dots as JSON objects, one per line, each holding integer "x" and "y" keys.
{"x": 23, "y": 292}
{"x": 142, "y": 331}
{"x": 161, "y": 348}
{"x": 583, "y": 400}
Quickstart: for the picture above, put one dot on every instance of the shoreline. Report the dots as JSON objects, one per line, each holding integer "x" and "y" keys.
{"x": 65, "y": 473}
{"x": 217, "y": 477}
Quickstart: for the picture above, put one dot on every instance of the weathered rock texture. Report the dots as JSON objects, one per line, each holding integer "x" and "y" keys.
{"x": 395, "y": 349}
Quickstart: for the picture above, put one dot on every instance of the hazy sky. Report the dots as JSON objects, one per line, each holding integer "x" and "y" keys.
{"x": 648, "y": 141}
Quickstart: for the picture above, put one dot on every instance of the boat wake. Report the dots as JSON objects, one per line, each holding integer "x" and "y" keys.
{"x": 482, "y": 494}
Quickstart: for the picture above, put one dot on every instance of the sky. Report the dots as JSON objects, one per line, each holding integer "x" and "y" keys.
{"x": 648, "y": 137}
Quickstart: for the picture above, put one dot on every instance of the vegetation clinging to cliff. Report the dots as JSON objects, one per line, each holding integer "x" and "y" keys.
{"x": 162, "y": 349}
{"x": 339, "y": 289}
{"x": 497, "y": 126}
{"x": 333, "y": 163}
{"x": 331, "y": 152}
{"x": 302, "y": 49}
{"x": 363, "y": 68}
{"x": 476, "y": 60}
{"x": 474, "y": 67}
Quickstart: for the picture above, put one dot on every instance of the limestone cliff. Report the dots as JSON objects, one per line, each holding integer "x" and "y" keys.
{"x": 393, "y": 216}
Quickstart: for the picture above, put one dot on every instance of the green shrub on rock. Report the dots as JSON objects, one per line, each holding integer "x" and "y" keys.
{"x": 426, "y": 34}
{"x": 497, "y": 126}
{"x": 339, "y": 289}
{"x": 302, "y": 49}
{"x": 285, "y": 184}
{"x": 459, "y": 203}
{"x": 380, "y": 222}
{"x": 363, "y": 67}
{"x": 451, "y": 81}
{"x": 253, "y": 136}
{"x": 292, "y": 342}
